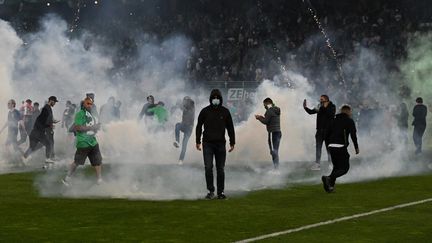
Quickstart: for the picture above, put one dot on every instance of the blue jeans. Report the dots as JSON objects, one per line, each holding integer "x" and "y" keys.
{"x": 187, "y": 131}
{"x": 274, "y": 141}
{"x": 218, "y": 151}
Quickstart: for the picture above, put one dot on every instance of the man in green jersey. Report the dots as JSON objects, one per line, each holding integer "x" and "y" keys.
{"x": 85, "y": 126}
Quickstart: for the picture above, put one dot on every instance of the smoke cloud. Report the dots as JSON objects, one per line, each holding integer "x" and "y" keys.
{"x": 141, "y": 163}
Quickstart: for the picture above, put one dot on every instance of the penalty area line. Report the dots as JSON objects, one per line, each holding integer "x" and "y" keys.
{"x": 310, "y": 226}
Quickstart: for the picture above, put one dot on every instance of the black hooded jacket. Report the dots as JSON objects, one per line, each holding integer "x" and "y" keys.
{"x": 325, "y": 115}
{"x": 340, "y": 129}
{"x": 215, "y": 120}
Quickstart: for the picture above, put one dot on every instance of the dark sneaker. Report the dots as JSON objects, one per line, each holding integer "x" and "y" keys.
{"x": 221, "y": 196}
{"x": 210, "y": 196}
{"x": 176, "y": 144}
{"x": 326, "y": 183}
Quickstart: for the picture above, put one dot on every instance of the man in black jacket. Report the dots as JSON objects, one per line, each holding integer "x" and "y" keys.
{"x": 337, "y": 136}
{"x": 43, "y": 131}
{"x": 325, "y": 114}
{"x": 419, "y": 123}
{"x": 271, "y": 119}
{"x": 185, "y": 126}
{"x": 215, "y": 119}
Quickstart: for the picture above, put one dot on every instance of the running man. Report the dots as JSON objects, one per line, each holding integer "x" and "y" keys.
{"x": 185, "y": 126}
{"x": 86, "y": 126}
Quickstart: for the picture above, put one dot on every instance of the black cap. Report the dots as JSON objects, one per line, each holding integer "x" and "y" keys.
{"x": 53, "y": 98}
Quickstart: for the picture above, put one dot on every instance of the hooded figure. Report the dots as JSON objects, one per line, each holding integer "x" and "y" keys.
{"x": 215, "y": 118}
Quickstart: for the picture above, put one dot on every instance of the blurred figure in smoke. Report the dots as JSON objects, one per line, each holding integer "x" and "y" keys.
{"x": 145, "y": 110}
{"x": 337, "y": 136}
{"x": 107, "y": 111}
{"x": 117, "y": 113}
{"x": 185, "y": 126}
{"x": 325, "y": 111}
{"x": 12, "y": 123}
{"x": 161, "y": 115}
{"x": 26, "y": 124}
{"x": 68, "y": 114}
{"x": 419, "y": 123}
{"x": 43, "y": 132}
{"x": 36, "y": 113}
{"x": 85, "y": 126}
{"x": 94, "y": 109}
{"x": 402, "y": 121}
{"x": 215, "y": 119}
{"x": 271, "y": 119}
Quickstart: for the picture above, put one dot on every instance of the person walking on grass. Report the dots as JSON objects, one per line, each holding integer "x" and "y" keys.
{"x": 85, "y": 127}
{"x": 419, "y": 123}
{"x": 271, "y": 119}
{"x": 13, "y": 120}
{"x": 216, "y": 119}
{"x": 340, "y": 129}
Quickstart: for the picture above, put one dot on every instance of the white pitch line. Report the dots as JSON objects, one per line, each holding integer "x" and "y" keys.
{"x": 310, "y": 226}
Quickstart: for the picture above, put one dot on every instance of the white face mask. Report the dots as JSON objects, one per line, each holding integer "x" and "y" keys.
{"x": 269, "y": 106}
{"x": 215, "y": 101}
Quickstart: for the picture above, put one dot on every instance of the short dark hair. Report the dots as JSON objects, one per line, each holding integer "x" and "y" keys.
{"x": 419, "y": 100}
{"x": 325, "y": 97}
{"x": 268, "y": 100}
{"x": 345, "y": 108}
{"x": 36, "y": 104}
{"x": 28, "y": 101}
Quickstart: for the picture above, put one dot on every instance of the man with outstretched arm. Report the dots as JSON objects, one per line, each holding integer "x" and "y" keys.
{"x": 325, "y": 114}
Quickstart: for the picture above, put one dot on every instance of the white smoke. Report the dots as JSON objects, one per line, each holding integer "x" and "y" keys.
{"x": 141, "y": 163}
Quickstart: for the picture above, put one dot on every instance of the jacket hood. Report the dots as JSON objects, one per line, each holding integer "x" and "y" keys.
{"x": 215, "y": 93}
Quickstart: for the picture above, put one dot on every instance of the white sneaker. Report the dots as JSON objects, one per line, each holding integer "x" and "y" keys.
{"x": 66, "y": 181}
{"x": 100, "y": 181}
{"x": 176, "y": 145}
{"x": 316, "y": 166}
{"x": 274, "y": 172}
{"x": 25, "y": 160}
{"x": 180, "y": 162}
{"x": 49, "y": 160}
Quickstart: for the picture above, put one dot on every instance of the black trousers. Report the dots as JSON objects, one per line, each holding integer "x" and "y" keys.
{"x": 39, "y": 139}
{"x": 218, "y": 152}
{"x": 340, "y": 159}
{"x": 319, "y": 140}
{"x": 418, "y": 137}
{"x": 274, "y": 141}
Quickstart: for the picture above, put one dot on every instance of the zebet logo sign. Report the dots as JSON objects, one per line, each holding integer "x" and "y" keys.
{"x": 240, "y": 94}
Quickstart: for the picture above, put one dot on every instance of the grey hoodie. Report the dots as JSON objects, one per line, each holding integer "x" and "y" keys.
{"x": 272, "y": 119}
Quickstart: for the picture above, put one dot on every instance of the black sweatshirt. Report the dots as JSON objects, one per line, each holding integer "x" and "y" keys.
{"x": 340, "y": 129}
{"x": 215, "y": 120}
{"x": 325, "y": 115}
{"x": 419, "y": 113}
{"x": 44, "y": 120}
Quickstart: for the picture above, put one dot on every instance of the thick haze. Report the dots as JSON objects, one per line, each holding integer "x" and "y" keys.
{"x": 143, "y": 163}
